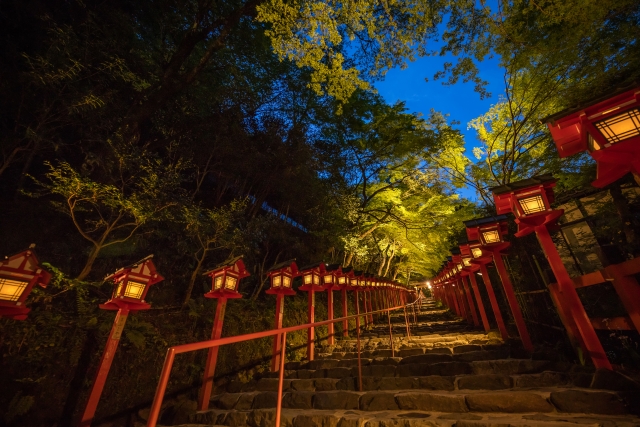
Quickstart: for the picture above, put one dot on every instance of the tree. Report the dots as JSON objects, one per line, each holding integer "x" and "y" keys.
{"x": 208, "y": 230}
{"x": 108, "y": 214}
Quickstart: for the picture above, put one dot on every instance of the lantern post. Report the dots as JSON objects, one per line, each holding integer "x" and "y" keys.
{"x": 530, "y": 201}
{"x": 18, "y": 275}
{"x": 344, "y": 280}
{"x": 312, "y": 277}
{"x": 469, "y": 271}
{"x": 368, "y": 283}
{"x": 281, "y": 277}
{"x": 131, "y": 286}
{"x": 330, "y": 283}
{"x": 490, "y": 232}
{"x": 608, "y": 128}
{"x": 225, "y": 280}
{"x": 460, "y": 274}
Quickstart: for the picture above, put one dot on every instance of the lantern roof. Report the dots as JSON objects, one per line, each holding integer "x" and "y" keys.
{"x": 524, "y": 184}
{"x": 334, "y": 267}
{"x": 26, "y": 262}
{"x": 609, "y": 97}
{"x": 144, "y": 268}
{"x": 289, "y": 266}
{"x": 318, "y": 266}
{"x": 236, "y": 265}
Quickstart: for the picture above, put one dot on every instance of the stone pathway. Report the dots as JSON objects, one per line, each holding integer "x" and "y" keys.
{"x": 445, "y": 374}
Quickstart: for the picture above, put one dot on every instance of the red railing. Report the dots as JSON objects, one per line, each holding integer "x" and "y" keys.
{"x": 186, "y": 348}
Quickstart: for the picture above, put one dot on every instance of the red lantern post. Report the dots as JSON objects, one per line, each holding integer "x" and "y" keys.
{"x": 530, "y": 201}
{"x": 18, "y": 275}
{"x": 330, "y": 281}
{"x": 460, "y": 275}
{"x": 469, "y": 270}
{"x": 132, "y": 284}
{"x": 312, "y": 277}
{"x": 344, "y": 280}
{"x": 281, "y": 277}
{"x": 225, "y": 280}
{"x": 609, "y": 129}
{"x": 490, "y": 233}
{"x": 481, "y": 259}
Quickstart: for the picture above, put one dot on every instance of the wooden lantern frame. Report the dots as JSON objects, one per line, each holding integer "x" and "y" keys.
{"x": 22, "y": 268}
{"x": 140, "y": 273}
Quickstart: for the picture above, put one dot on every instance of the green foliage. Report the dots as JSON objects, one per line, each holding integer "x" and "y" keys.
{"x": 18, "y": 406}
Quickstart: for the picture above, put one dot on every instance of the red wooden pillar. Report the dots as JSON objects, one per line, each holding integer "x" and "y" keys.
{"x": 105, "y": 365}
{"x": 330, "y": 328}
{"x": 454, "y": 299}
{"x": 494, "y": 301}
{"x": 370, "y": 307}
{"x": 345, "y": 313}
{"x": 277, "y": 339}
{"x": 311, "y": 333}
{"x": 513, "y": 302}
{"x": 571, "y": 300}
{"x": 212, "y": 356}
{"x": 472, "y": 306}
{"x": 476, "y": 292}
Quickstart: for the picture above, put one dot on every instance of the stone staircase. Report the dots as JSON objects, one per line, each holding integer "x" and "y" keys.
{"x": 444, "y": 374}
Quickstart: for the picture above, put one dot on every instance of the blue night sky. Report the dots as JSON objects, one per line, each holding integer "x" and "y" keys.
{"x": 459, "y": 101}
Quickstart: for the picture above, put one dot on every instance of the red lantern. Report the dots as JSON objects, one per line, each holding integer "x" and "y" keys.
{"x": 131, "y": 286}
{"x": 18, "y": 275}
{"x": 330, "y": 283}
{"x": 312, "y": 277}
{"x": 281, "y": 276}
{"x": 225, "y": 280}
{"x": 609, "y": 129}
{"x": 513, "y": 198}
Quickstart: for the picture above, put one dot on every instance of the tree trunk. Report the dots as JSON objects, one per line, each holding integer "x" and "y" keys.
{"x": 89, "y": 264}
{"x": 192, "y": 279}
{"x": 349, "y": 259}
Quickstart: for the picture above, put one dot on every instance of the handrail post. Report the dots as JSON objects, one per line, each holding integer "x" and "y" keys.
{"x": 393, "y": 353}
{"x": 281, "y": 378}
{"x": 154, "y": 413}
{"x": 358, "y": 345}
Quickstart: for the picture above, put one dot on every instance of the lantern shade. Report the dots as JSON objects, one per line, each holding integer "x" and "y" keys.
{"x": 226, "y": 277}
{"x": 281, "y": 276}
{"x": 528, "y": 197}
{"x": 313, "y": 277}
{"x": 608, "y": 127}
{"x": 491, "y": 228}
{"x": 18, "y": 275}
{"x": 131, "y": 285}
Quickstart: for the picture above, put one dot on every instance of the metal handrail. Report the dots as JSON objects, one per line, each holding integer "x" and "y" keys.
{"x": 202, "y": 345}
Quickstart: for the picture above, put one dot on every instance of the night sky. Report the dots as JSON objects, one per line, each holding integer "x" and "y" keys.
{"x": 459, "y": 100}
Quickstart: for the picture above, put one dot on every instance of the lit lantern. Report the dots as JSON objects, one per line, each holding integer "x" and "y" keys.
{"x": 131, "y": 285}
{"x": 281, "y": 276}
{"x": 225, "y": 279}
{"x": 488, "y": 231}
{"x": 513, "y": 198}
{"x": 18, "y": 275}
{"x": 608, "y": 129}
{"x": 311, "y": 282}
{"x": 529, "y": 200}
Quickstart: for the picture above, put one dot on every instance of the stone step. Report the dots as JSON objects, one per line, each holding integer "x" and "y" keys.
{"x": 399, "y": 418}
{"x": 390, "y": 367}
{"x": 534, "y": 400}
{"x": 431, "y": 382}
